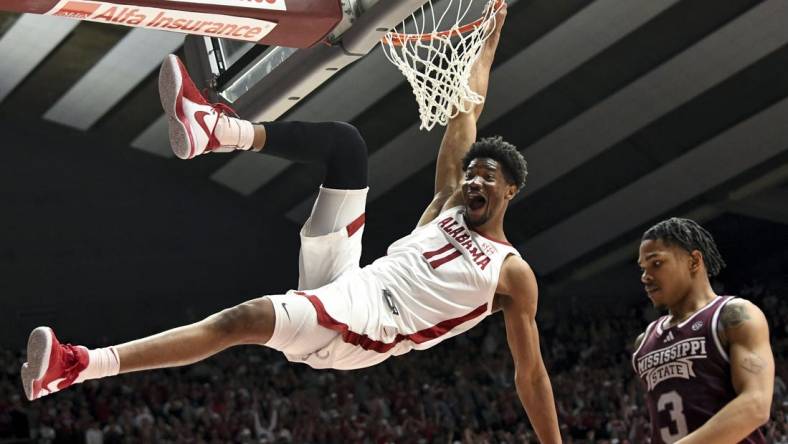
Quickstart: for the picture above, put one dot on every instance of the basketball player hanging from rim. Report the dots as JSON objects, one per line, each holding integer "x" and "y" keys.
{"x": 440, "y": 280}
{"x": 707, "y": 366}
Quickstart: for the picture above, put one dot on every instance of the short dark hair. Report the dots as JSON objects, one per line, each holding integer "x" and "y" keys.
{"x": 687, "y": 234}
{"x": 515, "y": 168}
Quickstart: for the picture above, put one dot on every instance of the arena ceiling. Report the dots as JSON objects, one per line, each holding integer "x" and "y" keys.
{"x": 627, "y": 112}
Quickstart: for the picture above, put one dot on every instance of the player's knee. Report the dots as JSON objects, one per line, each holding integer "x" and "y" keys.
{"x": 348, "y": 164}
{"x": 351, "y": 137}
{"x": 351, "y": 146}
{"x": 248, "y": 323}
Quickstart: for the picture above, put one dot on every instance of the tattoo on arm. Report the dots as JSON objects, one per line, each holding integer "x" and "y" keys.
{"x": 733, "y": 315}
{"x": 753, "y": 364}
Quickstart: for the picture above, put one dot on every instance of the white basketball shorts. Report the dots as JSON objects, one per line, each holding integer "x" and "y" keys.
{"x": 323, "y": 259}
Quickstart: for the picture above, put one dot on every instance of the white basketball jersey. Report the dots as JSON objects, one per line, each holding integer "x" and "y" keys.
{"x": 433, "y": 284}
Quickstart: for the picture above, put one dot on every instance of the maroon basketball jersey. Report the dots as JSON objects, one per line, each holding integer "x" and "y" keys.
{"x": 686, "y": 374}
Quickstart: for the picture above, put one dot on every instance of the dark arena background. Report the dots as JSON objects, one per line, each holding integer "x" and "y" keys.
{"x": 628, "y": 112}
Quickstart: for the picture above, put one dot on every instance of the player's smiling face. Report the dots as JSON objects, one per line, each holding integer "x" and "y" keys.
{"x": 665, "y": 272}
{"x": 485, "y": 191}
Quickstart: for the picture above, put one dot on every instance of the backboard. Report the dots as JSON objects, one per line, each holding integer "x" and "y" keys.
{"x": 265, "y": 82}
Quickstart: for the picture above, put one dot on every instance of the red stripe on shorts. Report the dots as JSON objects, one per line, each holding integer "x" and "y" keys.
{"x": 356, "y": 225}
{"x": 365, "y": 342}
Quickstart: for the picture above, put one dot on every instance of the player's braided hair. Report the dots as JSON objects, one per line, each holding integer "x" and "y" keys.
{"x": 690, "y": 236}
{"x": 514, "y": 166}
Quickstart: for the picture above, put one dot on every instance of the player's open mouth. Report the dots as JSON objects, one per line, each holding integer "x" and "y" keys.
{"x": 476, "y": 201}
{"x": 650, "y": 290}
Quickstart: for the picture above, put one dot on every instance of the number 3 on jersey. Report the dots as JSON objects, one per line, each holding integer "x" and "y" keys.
{"x": 672, "y": 403}
{"x": 438, "y": 257}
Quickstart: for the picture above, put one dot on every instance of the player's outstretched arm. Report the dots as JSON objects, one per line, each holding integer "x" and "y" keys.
{"x": 746, "y": 332}
{"x": 461, "y": 131}
{"x": 518, "y": 284}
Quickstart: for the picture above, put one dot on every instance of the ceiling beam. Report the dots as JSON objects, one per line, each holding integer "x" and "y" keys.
{"x": 770, "y": 206}
{"x": 764, "y": 184}
{"x": 732, "y": 48}
{"x": 155, "y": 139}
{"x": 127, "y": 64}
{"x": 29, "y": 41}
{"x": 711, "y": 164}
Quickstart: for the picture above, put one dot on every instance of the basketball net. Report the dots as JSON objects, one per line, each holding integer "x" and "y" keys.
{"x": 438, "y": 63}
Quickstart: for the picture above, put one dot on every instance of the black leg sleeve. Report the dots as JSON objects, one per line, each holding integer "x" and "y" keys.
{"x": 337, "y": 145}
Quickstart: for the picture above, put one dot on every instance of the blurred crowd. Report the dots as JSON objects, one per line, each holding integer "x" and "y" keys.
{"x": 458, "y": 392}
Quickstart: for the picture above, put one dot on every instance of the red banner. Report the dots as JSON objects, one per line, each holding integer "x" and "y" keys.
{"x": 292, "y": 23}
{"x": 212, "y": 25}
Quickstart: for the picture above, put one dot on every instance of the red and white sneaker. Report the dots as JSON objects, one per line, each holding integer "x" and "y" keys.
{"x": 192, "y": 119}
{"x": 51, "y": 366}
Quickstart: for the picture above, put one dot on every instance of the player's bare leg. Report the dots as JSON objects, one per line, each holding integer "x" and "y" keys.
{"x": 249, "y": 323}
{"x": 53, "y": 366}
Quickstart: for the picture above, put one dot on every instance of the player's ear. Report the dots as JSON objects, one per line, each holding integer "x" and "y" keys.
{"x": 696, "y": 261}
{"x": 511, "y": 191}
